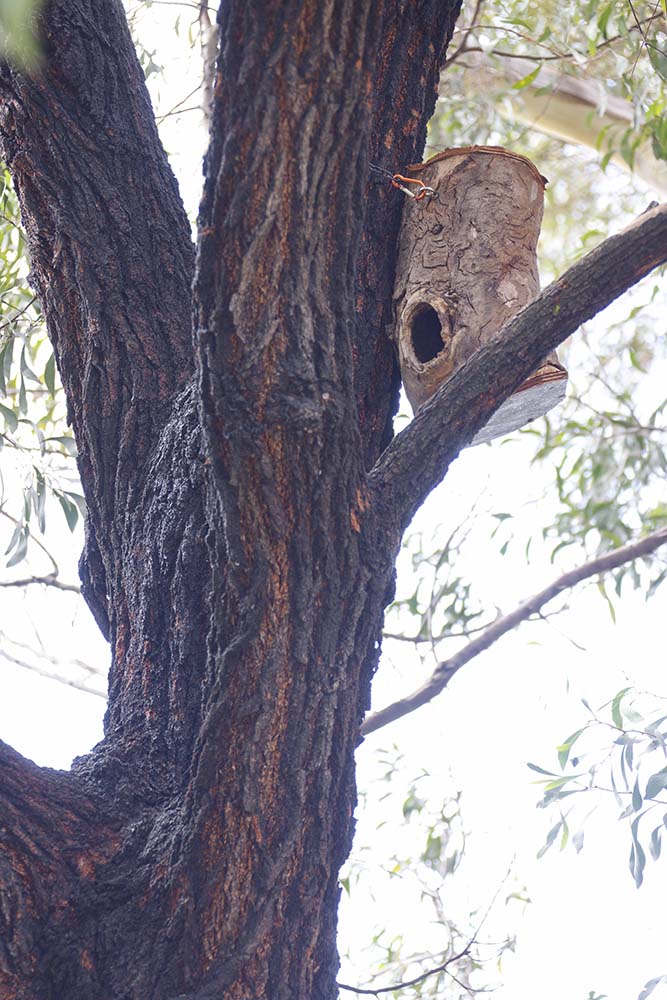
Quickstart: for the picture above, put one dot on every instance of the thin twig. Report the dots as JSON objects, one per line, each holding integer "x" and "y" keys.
{"x": 462, "y": 48}
{"x": 178, "y": 105}
{"x": 51, "y": 580}
{"x": 55, "y": 571}
{"x": 412, "y": 982}
{"x": 440, "y": 968}
{"x": 554, "y": 55}
{"x": 9, "y": 322}
{"x": 446, "y": 670}
{"x": 70, "y": 682}
{"x": 43, "y": 655}
{"x": 644, "y": 37}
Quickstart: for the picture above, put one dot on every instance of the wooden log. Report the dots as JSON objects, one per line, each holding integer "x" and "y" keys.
{"x": 467, "y": 264}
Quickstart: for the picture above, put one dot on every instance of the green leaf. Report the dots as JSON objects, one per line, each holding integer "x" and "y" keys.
{"x": 50, "y": 375}
{"x": 39, "y": 501}
{"x": 656, "y": 783}
{"x": 564, "y": 748}
{"x": 70, "y": 510}
{"x": 655, "y": 843}
{"x": 7, "y": 358}
{"x": 23, "y": 398}
{"x": 3, "y": 381}
{"x": 11, "y": 420}
{"x": 652, "y": 983}
{"x": 26, "y": 370}
{"x": 551, "y": 836}
{"x": 637, "y": 855}
{"x": 540, "y": 770}
{"x": 559, "y": 782}
{"x": 527, "y": 80}
{"x": 79, "y": 500}
{"x": 616, "y": 716}
{"x": 603, "y": 591}
{"x": 603, "y": 20}
{"x": 67, "y": 442}
{"x": 658, "y": 60}
{"x": 21, "y": 546}
{"x": 15, "y": 537}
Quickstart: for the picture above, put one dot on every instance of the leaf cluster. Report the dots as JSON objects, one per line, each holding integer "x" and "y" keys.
{"x": 620, "y": 753}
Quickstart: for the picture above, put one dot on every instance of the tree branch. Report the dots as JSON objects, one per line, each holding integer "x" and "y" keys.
{"x": 48, "y": 581}
{"x": 418, "y": 458}
{"x": 444, "y": 967}
{"x": 49, "y": 672}
{"x": 54, "y": 834}
{"x": 446, "y": 670}
{"x": 110, "y": 248}
{"x": 566, "y": 107}
{"x": 51, "y": 676}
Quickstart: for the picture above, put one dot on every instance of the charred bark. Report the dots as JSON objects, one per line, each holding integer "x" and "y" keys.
{"x": 230, "y": 554}
{"x": 112, "y": 260}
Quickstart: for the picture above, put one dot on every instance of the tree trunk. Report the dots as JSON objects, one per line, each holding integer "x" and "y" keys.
{"x": 233, "y": 556}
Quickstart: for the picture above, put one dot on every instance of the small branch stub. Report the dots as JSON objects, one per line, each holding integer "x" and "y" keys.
{"x": 467, "y": 264}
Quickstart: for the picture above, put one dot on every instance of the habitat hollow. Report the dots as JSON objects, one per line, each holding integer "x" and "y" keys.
{"x": 426, "y": 333}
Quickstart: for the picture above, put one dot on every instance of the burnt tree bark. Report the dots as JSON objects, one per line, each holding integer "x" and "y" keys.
{"x": 228, "y": 408}
{"x": 195, "y": 851}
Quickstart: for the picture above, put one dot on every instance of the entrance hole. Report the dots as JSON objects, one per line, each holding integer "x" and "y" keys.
{"x": 426, "y": 333}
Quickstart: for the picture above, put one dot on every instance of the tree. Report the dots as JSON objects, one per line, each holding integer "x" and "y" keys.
{"x": 232, "y": 411}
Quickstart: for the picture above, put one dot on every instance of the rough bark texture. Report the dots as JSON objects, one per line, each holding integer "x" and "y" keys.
{"x": 238, "y": 554}
{"x": 230, "y": 557}
{"x": 467, "y": 263}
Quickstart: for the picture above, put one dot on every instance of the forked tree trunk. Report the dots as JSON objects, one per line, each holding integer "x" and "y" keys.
{"x": 243, "y": 516}
{"x": 233, "y": 556}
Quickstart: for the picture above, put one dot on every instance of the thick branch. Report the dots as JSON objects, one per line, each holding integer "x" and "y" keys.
{"x": 418, "y": 458}
{"x": 110, "y": 248}
{"x": 53, "y": 835}
{"x": 446, "y": 670}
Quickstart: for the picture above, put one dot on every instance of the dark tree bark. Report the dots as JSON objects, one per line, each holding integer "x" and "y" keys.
{"x": 229, "y": 554}
{"x": 242, "y": 529}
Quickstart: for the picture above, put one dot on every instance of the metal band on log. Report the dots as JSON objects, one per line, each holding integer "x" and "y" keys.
{"x": 467, "y": 264}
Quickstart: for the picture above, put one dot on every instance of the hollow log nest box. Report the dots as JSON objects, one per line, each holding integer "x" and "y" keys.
{"x": 467, "y": 263}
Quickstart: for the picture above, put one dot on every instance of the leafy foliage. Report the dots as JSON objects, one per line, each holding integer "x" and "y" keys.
{"x": 619, "y": 46}
{"x": 620, "y": 752}
{"x": 39, "y": 451}
{"x": 419, "y": 867}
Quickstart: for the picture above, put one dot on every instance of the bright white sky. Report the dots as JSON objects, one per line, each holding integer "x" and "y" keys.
{"x": 587, "y": 927}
